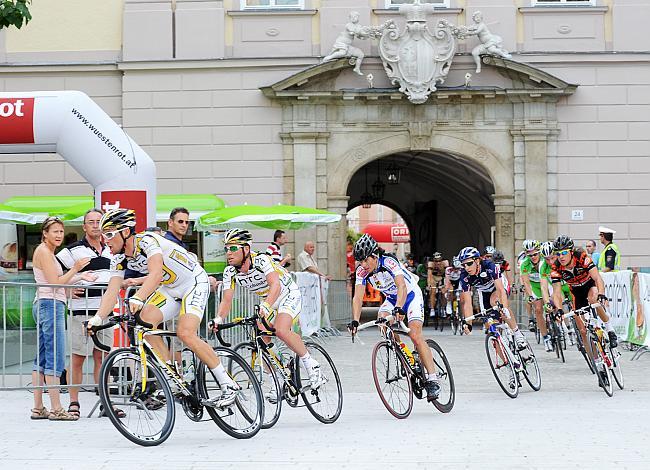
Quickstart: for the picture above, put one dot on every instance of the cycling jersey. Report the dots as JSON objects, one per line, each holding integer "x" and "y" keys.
{"x": 453, "y": 275}
{"x": 383, "y": 279}
{"x": 254, "y": 280}
{"x": 483, "y": 281}
{"x": 545, "y": 273}
{"x": 438, "y": 268}
{"x": 184, "y": 287}
{"x": 532, "y": 270}
{"x": 576, "y": 276}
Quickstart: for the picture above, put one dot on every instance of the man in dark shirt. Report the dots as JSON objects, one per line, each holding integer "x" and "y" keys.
{"x": 177, "y": 225}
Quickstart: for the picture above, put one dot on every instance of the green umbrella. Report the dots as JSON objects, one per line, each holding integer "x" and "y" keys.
{"x": 269, "y": 217}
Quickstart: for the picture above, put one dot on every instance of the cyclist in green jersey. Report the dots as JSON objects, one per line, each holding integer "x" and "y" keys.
{"x": 529, "y": 272}
{"x": 549, "y": 257}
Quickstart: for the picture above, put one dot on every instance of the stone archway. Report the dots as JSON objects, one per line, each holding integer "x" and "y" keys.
{"x": 508, "y": 130}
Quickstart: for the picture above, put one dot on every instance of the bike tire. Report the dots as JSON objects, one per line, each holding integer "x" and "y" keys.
{"x": 604, "y": 374}
{"x": 126, "y": 391}
{"x": 498, "y": 359}
{"x": 269, "y": 382}
{"x": 388, "y": 368}
{"x": 326, "y": 402}
{"x": 251, "y": 409}
{"x": 581, "y": 347}
{"x": 530, "y": 368}
{"x": 557, "y": 340}
{"x": 445, "y": 402}
{"x": 615, "y": 356}
{"x": 538, "y": 334}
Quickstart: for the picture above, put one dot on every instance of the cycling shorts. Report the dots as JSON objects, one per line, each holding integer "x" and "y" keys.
{"x": 536, "y": 289}
{"x": 414, "y": 306}
{"x": 484, "y": 299}
{"x": 188, "y": 297}
{"x": 581, "y": 294}
{"x": 289, "y": 302}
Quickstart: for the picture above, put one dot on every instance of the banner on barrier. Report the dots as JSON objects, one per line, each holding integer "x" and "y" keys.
{"x": 618, "y": 289}
{"x": 310, "y": 294}
{"x": 638, "y": 329}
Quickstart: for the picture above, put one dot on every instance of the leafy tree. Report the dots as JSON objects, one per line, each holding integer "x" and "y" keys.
{"x": 14, "y": 13}
{"x": 353, "y": 236}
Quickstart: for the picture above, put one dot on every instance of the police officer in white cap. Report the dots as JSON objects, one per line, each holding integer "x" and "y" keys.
{"x": 610, "y": 258}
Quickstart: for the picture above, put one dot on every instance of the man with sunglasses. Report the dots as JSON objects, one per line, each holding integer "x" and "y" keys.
{"x": 175, "y": 286}
{"x": 177, "y": 226}
{"x": 485, "y": 277}
{"x": 403, "y": 298}
{"x": 530, "y": 278}
{"x": 280, "y": 295}
{"x": 575, "y": 267}
{"x": 549, "y": 257}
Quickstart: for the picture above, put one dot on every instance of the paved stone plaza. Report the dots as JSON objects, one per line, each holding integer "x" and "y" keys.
{"x": 570, "y": 423}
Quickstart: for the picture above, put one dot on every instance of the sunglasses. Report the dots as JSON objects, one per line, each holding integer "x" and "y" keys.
{"x": 467, "y": 264}
{"x": 535, "y": 253}
{"x": 563, "y": 252}
{"x": 233, "y": 248}
{"x": 110, "y": 235}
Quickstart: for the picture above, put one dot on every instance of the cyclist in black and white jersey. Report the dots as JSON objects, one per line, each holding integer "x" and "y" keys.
{"x": 280, "y": 295}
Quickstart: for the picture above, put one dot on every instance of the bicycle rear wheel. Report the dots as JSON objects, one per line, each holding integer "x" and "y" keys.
{"x": 326, "y": 402}
{"x": 501, "y": 365}
{"x": 244, "y": 417}
{"x": 391, "y": 381}
{"x": 150, "y": 412}
{"x": 530, "y": 367}
{"x": 445, "y": 401}
{"x": 268, "y": 380}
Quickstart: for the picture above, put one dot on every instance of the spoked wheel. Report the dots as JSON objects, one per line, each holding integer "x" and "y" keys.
{"x": 447, "y": 397}
{"x": 502, "y": 368}
{"x": 325, "y": 402}
{"x": 392, "y": 383}
{"x": 581, "y": 347}
{"x": 268, "y": 379}
{"x": 615, "y": 356}
{"x": 149, "y": 407}
{"x": 244, "y": 417}
{"x": 603, "y": 372}
{"x": 538, "y": 334}
{"x": 558, "y": 334}
{"x": 455, "y": 322}
{"x": 530, "y": 367}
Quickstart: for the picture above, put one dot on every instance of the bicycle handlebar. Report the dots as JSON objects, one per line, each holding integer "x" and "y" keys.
{"x": 217, "y": 328}
{"x": 380, "y": 321}
{"x": 485, "y": 313}
{"x": 111, "y": 322}
{"x": 581, "y": 311}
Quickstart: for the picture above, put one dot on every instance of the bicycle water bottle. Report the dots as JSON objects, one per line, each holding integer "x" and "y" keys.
{"x": 407, "y": 351}
{"x": 187, "y": 359}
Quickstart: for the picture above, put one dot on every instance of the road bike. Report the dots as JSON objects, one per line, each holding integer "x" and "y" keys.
{"x": 137, "y": 379}
{"x": 399, "y": 374}
{"x": 554, "y": 326}
{"x": 456, "y": 315}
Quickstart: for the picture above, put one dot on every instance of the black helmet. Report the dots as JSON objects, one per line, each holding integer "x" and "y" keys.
{"x": 563, "y": 242}
{"x": 364, "y": 247}
{"x": 497, "y": 256}
{"x": 117, "y": 220}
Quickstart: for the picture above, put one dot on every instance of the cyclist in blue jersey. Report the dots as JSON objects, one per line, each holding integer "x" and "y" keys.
{"x": 403, "y": 298}
{"x": 485, "y": 277}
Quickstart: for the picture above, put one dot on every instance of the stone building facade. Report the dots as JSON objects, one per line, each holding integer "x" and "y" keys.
{"x": 230, "y": 98}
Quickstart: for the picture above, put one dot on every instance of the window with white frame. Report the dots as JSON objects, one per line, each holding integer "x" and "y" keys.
{"x": 398, "y": 3}
{"x": 540, "y": 3}
{"x": 272, "y": 4}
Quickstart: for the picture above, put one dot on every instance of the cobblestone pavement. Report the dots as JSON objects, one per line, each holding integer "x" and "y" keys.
{"x": 570, "y": 423}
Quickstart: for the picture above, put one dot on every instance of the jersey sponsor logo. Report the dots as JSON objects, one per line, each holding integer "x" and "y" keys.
{"x": 183, "y": 260}
{"x": 16, "y": 120}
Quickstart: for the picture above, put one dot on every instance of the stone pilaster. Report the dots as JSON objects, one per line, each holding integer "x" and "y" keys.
{"x": 337, "y": 237}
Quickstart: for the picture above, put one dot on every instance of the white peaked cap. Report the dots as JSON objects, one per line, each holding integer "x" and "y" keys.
{"x": 603, "y": 229}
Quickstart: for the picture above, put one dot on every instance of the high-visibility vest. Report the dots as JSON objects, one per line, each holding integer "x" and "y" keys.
{"x": 617, "y": 260}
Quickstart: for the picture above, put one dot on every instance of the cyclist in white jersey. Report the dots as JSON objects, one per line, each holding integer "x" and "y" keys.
{"x": 175, "y": 285}
{"x": 403, "y": 297}
{"x": 281, "y": 303}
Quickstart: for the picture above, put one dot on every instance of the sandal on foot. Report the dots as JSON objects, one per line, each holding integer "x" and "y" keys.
{"x": 75, "y": 409}
{"x": 118, "y": 412}
{"x": 40, "y": 413}
{"x": 61, "y": 415}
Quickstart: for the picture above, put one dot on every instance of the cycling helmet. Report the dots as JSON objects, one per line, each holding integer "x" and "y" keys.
{"x": 455, "y": 262}
{"x": 497, "y": 256}
{"x": 489, "y": 250}
{"x": 117, "y": 220}
{"x": 364, "y": 247}
{"x": 563, "y": 242}
{"x": 531, "y": 246}
{"x": 547, "y": 249}
{"x": 469, "y": 252}
{"x": 437, "y": 256}
{"x": 237, "y": 236}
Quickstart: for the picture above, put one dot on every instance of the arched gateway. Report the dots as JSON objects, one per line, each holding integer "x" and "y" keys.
{"x": 495, "y": 142}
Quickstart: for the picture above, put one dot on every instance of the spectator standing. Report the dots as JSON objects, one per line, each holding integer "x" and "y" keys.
{"x": 306, "y": 261}
{"x": 591, "y": 251}
{"x": 49, "y": 314}
{"x": 274, "y": 250}
{"x": 84, "y": 303}
{"x": 610, "y": 257}
{"x": 177, "y": 225}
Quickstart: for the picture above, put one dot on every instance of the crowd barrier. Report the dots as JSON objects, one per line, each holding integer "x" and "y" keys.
{"x": 325, "y": 306}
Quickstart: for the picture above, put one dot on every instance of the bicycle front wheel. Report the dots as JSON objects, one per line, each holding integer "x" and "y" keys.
{"x": 326, "y": 402}
{"x": 581, "y": 346}
{"x": 501, "y": 365}
{"x": 615, "y": 357}
{"x": 392, "y": 383}
{"x": 244, "y": 417}
{"x": 558, "y": 334}
{"x": 147, "y": 408}
{"x": 603, "y": 372}
{"x": 530, "y": 367}
{"x": 268, "y": 379}
{"x": 445, "y": 401}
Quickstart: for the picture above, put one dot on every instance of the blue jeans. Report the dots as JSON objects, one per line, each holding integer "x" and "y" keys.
{"x": 49, "y": 315}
